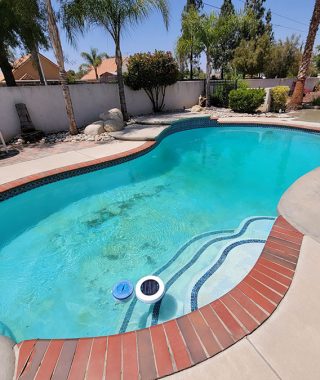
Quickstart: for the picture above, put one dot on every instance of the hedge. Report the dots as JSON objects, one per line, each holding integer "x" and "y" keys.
{"x": 246, "y": 100}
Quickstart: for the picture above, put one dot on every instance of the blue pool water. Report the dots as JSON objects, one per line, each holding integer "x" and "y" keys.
{"x": 195, "y": 210}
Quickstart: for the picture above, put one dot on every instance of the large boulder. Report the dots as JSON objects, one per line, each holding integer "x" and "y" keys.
{"x": 113, "y": 114}
{"x": 112, "y": 125}
{"x": 95, "y": 128}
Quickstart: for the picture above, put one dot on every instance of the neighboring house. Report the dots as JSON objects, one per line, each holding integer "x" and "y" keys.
{"x": 25, "y": 69}
{"x": 107, "y": 70}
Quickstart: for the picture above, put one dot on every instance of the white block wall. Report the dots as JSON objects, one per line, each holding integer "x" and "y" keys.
{"x": 47, "y": 109}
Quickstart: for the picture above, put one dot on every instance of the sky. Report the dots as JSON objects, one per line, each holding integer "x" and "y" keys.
{"x": 151, "y": 34}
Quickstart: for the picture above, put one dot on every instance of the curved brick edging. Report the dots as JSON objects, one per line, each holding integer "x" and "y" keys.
{"x": 172, "y": 346}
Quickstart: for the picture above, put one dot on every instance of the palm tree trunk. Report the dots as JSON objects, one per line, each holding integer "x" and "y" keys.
{"x": 36, "y": 60}
{"x": 56, "y": 43}
{"x": 96, "y": 72}
{"x": 297, "y": 97}
{"x": 191, "y": 64}
{"x": 6, "y": 69}
{"x": 208, "y": 75}
{"x": 122, "y": 95}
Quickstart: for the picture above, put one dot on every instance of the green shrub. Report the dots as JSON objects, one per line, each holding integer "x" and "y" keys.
{"x": 242, "y": 83}
{"x": 152, "y": 72}
{"x": 316, "y": 102}
{"x": 246, "y": 100}
{"x": 279, "y": 97}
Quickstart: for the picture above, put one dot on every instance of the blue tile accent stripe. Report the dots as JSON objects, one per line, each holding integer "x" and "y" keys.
{"x": 174, "y": 278}
{"x": 215, "y": 267}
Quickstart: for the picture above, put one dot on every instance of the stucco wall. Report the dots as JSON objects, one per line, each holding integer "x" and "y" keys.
{"x": 265, "y": 83}
{"x": 47, "y": 110}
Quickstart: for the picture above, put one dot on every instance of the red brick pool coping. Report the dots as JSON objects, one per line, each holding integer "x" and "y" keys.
{"x": 178, "y": 344}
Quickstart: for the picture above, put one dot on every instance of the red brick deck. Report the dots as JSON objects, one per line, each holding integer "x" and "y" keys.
{"x": 178, "y": 344}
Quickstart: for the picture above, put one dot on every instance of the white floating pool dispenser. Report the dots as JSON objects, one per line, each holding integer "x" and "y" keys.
{"x": 150, "y": 289}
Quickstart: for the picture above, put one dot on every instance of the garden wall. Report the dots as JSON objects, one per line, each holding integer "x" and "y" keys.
{"x": 266, "y": 83}
{"x": 47, "y": 110}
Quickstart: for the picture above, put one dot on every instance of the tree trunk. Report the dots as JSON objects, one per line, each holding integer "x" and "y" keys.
{"x": 96, "y": 72}
{"x": 6, "y": 69}
{"x": 208, "y": 75}
{"x": 36, "y": 60}
{"x": 122, "y": 95}
{"x": 191, "y": 64}
{"x": 297, "y": 97}
{"x": 56, "y": 43}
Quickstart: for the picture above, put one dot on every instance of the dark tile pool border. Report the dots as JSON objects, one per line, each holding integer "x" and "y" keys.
{"x": 178, "y": 344}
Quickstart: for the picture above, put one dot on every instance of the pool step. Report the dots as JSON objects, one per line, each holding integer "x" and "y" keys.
{"x": 191, "y": 263}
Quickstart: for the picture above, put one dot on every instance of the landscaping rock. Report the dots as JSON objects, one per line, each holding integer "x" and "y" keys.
{"x": 95, "y": 128}
{"x": 113, "y": 125}
{"x": 113, "y": 114}
{"x": 197, "y": 108}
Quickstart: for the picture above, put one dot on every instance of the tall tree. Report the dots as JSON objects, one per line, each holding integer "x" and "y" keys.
{"x": 227, "y": 9}
{"x": 113, "y": 16}
{"x": 228, "y": 36}
{"x": 268, "y": 25}
{"x": 256, "y": 9}
{"x": 207, "y": 36}
{"x": 197, "y": 4}
{"x": 188, "y": 48}
{"x": 284, "y": 59}
{"x": 58, "y": 52}
{"x": 250, "y": 56}
{"x": 297, "y": 97}
{"x": 21, "y": 25}
{"x": 93, "y": 60}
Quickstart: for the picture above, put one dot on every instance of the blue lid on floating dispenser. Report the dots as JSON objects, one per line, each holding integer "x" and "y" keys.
{"x": 122, "y": 291}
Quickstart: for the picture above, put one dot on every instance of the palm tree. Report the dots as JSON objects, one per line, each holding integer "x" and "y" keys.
{"x": 114, "y": 16}
{"x": 297, "y": 97}
{"x": 56, "y": 44}
{"x": 93, "y": 60}
{"x": 207, "y": 37}
{"x": 188, "y": 48}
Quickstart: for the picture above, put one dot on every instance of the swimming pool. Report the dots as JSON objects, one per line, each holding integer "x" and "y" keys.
{"x": 196, "y": 211}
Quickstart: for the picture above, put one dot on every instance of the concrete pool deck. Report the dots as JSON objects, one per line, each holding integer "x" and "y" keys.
{"x": 286, "y": 346}
{"x": 59, "y": 160}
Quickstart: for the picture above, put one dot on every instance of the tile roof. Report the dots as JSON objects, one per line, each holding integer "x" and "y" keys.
{"x": 108, "y": 65}
{"x": 20, "y": 61}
